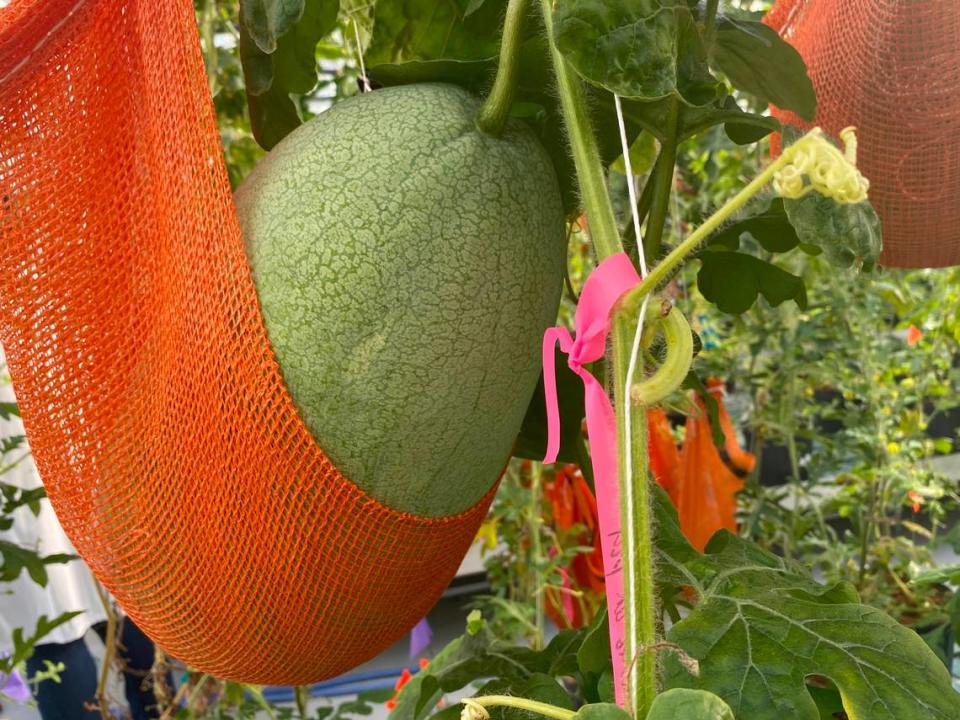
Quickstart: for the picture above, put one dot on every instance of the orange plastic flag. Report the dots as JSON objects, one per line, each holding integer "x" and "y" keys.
{"x": 708, "y": 488}
{"x": 664, "y": 455}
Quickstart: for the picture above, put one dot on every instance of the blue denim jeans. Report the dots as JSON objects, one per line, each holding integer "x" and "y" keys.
{"x": 67, "y": 699}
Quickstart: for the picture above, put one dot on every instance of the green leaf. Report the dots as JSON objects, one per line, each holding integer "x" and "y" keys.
{"x": 641, "y": 49}
{"x": 686, "y": 704}
{"x": 473, "y": 6}
{"x": 267, "y": 20}
{"x": 471, "y": 74}
{"x": 733, "y": 280}
{"x": 475, "y": 622}
{"x": 652, "y": 117}
{"x": 762, "y": 625}
{"x": 850, "y": 235}
{"x": 17, "y": 559}
{"x": 828, "y": 700}
{"x": 594, "y": 653}
{"x": 8, "y": 410}
{"x": 406, "y": 30}
{"x": 643, "y": 153}
{"x": 23, "y": 646}
{"x": 605, "y": 687}
{"x": 422, "y": 691}
{"x": 602, "y": 711}
{"x": 532, "y": 441}
{"x": 771, "y": 229}
{"x": 745, "y": 128}
{"x": 278, "y": 41}
{"x": 950, "y": 574}
{"x": 542, "y": 688}
{"x": 758, "y": 61}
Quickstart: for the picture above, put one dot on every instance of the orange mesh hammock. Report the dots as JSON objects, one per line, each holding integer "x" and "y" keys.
{"x": 892, "y": 69}
{"x": 158, "y": 418}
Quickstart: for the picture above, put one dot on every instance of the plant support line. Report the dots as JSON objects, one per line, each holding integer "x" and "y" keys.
{"x": 638, "y": 580}
{"x": 636, "y": 531}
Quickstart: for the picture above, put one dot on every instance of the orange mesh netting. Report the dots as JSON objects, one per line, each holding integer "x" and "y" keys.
{"x": 892, "y": 69}
{"x": 158, "y": 418}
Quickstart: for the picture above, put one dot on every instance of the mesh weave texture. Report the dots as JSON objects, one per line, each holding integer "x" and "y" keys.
{"x": 891, "y": 68}
{"x": 169, "y": 446}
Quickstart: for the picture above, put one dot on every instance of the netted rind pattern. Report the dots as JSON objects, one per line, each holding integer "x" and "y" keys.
{"x": 170, "y": 448}
{"x": 892, "y": 69}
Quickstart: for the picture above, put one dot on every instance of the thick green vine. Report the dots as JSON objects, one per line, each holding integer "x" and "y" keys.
{"x": 637, "y": 535}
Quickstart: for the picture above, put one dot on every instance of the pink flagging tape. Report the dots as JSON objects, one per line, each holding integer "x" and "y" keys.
{"x": 606, "y": 284}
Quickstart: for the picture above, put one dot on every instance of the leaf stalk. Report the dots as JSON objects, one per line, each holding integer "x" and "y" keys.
{"x": 662, "y": 182}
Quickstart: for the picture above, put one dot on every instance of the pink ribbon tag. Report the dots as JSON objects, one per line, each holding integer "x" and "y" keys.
{"x": 606, "y": 284}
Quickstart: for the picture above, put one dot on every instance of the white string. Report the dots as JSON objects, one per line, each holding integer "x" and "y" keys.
{"x": 631, "y": 369}
{"x": 363, "y": 70}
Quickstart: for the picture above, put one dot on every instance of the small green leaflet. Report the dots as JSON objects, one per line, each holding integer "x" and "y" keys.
{"x": 643, "y": 154}
{"x": 734, "y": 280}
{"x": 517, "y": 671}
{"x": 8, "y": 410}
{"x": 758, "y": 61}
{"x": 23, "y": 646}
{"x": 16, "y": 559}
{"x": 278, "y": 41}
{"x": 594, "y": 653}
{"x": 761, "y": 626}
{"x": 689, "y": 704}
{"x": 771, "y": 228}
{"x": 640, "y": 49}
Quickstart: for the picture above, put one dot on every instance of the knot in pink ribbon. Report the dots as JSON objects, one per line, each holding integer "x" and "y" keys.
{"x": 606, "y": 284}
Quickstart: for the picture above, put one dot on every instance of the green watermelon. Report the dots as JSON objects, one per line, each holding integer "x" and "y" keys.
{"x": 407, "y": 265}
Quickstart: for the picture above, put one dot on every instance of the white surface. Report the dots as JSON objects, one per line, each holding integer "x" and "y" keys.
{"x": 70, "y": 585}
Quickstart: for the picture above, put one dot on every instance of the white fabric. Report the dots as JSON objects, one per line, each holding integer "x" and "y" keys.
{"x": 70, "y": 585}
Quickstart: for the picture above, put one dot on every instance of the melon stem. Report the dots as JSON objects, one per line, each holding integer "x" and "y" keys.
{"x": 493, "y": 114}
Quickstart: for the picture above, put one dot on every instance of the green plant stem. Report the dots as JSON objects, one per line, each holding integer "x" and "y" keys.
{"x": 666, "y": 266}
{"x": 493, "y": 114}
{"x": 209, "y": 48}
{"x": 637, "y": 533}
{"x": 536, "y": 554}
{"x": 636, "y": 529}
{"x": 643, "y": 208}
{"x": 601, "y": 219}
{"x": 109, "y": 650}
{"x": 787, "y": 418}
{"x": 541, "y": 708}
{"x": 710, "y": 23}
{"x": 662, "y": 180}
{"x": 636, "y": 538}
{"x": 196, "y": 692}
{"x": 301, "y": 694}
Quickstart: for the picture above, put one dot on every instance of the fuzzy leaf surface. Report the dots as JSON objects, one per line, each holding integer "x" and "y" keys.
{"x": 640, "y": 49}
{"x": 761, "y": 625}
